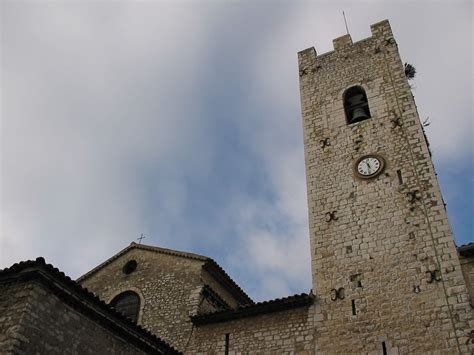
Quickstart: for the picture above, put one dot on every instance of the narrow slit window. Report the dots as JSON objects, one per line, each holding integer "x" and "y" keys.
{"x": 356, "y": 105}
{"x": 400, "y": 177}
{"x": 354, "y": 310}
{"x": 384, "y": 348}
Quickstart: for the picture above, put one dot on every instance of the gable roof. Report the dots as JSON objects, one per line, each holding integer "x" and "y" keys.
{"x": 86, "y": 303}
{"x": 209, "y": 265}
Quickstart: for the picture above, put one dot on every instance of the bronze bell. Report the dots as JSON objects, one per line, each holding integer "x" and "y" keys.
{"x": 359, "y": 114}
{"x": 357, "y": 100}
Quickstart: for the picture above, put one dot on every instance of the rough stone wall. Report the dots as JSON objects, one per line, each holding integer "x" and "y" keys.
{"x": 284, "y": 332}
{"x": 387, "y": 233}
{"x": 37, "y": 321}
{"x": 467, "y": 266}
{"x": 13, "y": 305}
{"x": 169, "y": 287}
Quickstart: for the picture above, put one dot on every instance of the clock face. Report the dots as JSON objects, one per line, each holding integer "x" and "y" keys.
{"x": 369, "y": 166}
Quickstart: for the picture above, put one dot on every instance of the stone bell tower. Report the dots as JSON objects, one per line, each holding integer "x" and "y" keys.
{"x": 385, "y": 268}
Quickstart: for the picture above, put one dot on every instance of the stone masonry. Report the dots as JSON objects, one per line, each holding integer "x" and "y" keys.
{"x": 467, "y": 264}
{"x": 390, "y": 233}
{"x": 170, "y": 285}
{"x": 50, "y": 322}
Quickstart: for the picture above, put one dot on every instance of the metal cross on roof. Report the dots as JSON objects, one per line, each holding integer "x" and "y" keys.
{"x": 140, "y": 239}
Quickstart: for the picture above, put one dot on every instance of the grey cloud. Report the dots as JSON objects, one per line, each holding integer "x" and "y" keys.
{"x": 102, "y": 101}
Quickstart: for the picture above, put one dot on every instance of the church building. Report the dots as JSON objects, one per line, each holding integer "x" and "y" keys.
{"x": 387, "y": 277}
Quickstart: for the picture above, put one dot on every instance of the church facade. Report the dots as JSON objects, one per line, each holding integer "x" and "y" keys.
{"x": 387, "y": 277}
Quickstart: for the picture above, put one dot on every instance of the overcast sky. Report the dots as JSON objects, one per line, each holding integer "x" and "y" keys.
{"x": 181, "y": 121}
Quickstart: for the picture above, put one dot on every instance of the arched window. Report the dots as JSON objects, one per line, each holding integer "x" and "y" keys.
{"x": 356, "y": 105}
{"x": 127, "y": 303}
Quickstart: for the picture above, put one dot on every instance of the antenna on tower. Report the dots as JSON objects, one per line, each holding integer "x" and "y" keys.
{"x": 345, "y": 21}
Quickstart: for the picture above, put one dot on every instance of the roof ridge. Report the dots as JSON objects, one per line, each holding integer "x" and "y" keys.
{"x": 244, "y": 298}
{"x": 274, "y": 305}
{"x": 466, "y": 250}
{"x": 465, "y": 245}
{"x": 144, "y": 247}
{"x": 184, "y": 254}
{"x": 107, "y": 261}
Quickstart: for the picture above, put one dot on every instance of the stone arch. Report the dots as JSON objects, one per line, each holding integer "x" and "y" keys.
{"x": 356, "y": 104}
{"x": 135, "y": 291}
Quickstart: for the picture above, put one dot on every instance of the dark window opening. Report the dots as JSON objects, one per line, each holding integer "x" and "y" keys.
{"x": 356, "y": 280}
{"x": 127, "y": 303}
{"x": 129, "y": 267}
{"x": 384, "y": 348}
{"x": 400, "y": 177}
{"x": 356, "y": 105}
{"x": 354, "y": 310}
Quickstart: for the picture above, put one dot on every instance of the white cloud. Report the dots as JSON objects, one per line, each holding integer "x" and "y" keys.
{"x": 108, "y": 124}
{"x": 92, "y": 99}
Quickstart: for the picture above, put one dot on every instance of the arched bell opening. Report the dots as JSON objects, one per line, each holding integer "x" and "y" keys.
{"x": 356, "y": 105}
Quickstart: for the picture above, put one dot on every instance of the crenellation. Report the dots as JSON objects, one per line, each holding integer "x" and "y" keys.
{"x": 342, "y": 42}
